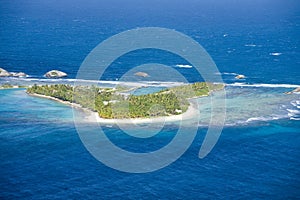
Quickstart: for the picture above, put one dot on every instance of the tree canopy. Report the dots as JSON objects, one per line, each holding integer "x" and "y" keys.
{"x": 112, "y": 103}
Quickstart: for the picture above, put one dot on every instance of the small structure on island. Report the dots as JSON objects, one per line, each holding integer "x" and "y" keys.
{"x": 55, "y": 74}
{"x": 142, "y": 74}
{"x": 178, "y": 111}
{"x": 240, "y": 76}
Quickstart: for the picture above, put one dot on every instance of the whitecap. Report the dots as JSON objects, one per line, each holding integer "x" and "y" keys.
{"x": 293, "y": 118}
{"x": 293, "y": 111}
{"x": 267, "y": 118}
{"x": 258, "y": 119}
{"x": 295, "y": 103}
{"x": 250, "y": 45}
{"x": 253, "y": 119}
{"x": 230, "y": 73}
{"x": 184, "y": 66}
{"x": 275, "y": 54}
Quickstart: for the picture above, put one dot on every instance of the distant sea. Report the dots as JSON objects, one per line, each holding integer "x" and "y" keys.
{"x": 257, "y": 155}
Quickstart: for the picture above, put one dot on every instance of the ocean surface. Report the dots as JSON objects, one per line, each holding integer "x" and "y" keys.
{"x": 258, "y": 153}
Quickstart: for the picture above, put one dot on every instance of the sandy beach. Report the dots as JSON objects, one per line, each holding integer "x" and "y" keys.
{"x": 74, "y": 105}
{"x": 93, "y": 117}
{"x": 192, "y": 112}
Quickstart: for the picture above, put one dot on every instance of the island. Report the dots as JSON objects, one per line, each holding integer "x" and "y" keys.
{"x": 240, "y": 76}
{"x": 55, "y": 74}
{"x": 4, "y": 73}
{"x": 117, "y": 103}
{"x": 142, "y": 74}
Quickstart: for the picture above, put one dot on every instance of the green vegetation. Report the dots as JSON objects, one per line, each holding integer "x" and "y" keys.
{"x": 6, "y": 86}
{"x": 54, "y": 74}
{"x": 60, "y": 91}
{"x": 115, "y": 103}
{"x": 9, "y": 86}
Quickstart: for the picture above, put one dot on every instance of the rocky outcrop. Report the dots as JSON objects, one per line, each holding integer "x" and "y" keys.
{"x": 240, "y": 76}
{"x": 4, "y": 73}
{"x": 19, "y": 74}
{"x": 55, "y": 74}
{"x": 142, "y": 74}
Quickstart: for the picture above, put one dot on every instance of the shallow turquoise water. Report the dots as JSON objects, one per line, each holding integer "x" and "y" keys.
{"x": 146, "y": 90}
{"x": 43, "y": 157}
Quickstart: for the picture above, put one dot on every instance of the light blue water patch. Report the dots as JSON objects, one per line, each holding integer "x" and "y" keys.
{"x": 248, "y": 105}
{"x": 146, "y": 90}
{"x": 19, "y": 107}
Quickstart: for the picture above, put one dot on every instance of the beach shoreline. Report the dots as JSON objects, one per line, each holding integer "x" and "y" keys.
{"x": 93, "y": 117}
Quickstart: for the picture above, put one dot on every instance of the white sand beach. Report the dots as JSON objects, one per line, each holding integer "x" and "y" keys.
{"x": 192, "y": 112}
{"x": 93, "y": 117}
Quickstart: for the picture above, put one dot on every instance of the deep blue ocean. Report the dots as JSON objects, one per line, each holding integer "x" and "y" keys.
{"x": 258, "y": 153}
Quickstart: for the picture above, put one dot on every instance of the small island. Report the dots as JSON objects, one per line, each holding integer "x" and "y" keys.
{"x": 115, "y": 103}
{"x": 4, "y": 73}
{"x": 142, "y": 74}
{"x": 240, "y": 76}
{"x": 55, "y": 74}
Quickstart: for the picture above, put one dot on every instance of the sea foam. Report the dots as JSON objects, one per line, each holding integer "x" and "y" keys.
{"x": 275, "y": 54}
{"x": 266, "y": 85}
{"x": 250, "y": 45}
{"x": 184, "y": 66}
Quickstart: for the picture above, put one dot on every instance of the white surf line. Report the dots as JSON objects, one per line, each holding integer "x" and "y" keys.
{"x": 125, "y": 83}
{"x": 266, "y": 85}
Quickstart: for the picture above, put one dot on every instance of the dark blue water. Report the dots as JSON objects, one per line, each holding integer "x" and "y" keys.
{"x": 37, "y": 36}
{"x": 41, "y": 154}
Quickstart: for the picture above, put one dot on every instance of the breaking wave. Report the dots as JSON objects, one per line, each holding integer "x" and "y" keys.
{"x": 184, "y": 66}
{"x": 250, "y": 45}
{"x": 230, "y": 73}
{"x": 275, "y": 54}
{"x": 266, "y": 85}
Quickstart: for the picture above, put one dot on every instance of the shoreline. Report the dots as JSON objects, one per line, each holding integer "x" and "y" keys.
{"x": 74, "y": 105}
{"x": 191, "y": 112}
{"x": 94, "y": 117}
